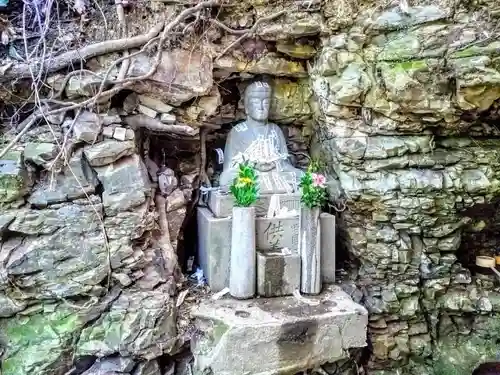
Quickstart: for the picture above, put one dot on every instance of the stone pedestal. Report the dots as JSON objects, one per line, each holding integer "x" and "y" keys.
{"x": 278, "y": 274}
{"x": 214, "y": 237}
{"x": 221, "y": 204}
{"x": 281, "y": 335}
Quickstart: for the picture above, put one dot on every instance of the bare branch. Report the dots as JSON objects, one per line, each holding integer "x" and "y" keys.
{"x": 50, "y": 64}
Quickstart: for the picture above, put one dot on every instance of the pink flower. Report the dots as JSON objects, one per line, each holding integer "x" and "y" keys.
{"x": 318, "y": 180}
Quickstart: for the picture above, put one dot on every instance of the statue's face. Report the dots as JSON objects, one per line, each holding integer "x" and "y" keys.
{"x": 257, "y": 104}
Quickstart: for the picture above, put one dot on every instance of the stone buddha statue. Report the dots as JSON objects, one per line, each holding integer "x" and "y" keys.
{"x": 261, "y": 143}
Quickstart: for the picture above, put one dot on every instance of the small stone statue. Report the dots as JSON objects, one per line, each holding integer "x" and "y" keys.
{"x": 167, "y": 182}
{"x": 260, "y": 143}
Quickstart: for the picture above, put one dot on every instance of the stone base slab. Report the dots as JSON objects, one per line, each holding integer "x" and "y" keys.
{"x": 222, "y": 204}
{"x": 269, "y": 336}
{"x": 278, "y": 274}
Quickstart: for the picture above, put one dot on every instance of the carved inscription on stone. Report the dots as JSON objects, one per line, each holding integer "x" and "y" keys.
{"x": 274, "y": 233}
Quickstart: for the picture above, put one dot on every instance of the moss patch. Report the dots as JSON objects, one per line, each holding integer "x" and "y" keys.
{"x": 39, "y": 343}
{"x": 12, "y": 181}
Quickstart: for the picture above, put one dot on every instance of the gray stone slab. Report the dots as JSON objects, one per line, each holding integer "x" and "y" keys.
{"x": 278, "y": 274}
{"x": 281, "y": 335}
{"x": 328, "y": 247}
{"x": 214, "y": 243}
{"x": 222, "y": 204}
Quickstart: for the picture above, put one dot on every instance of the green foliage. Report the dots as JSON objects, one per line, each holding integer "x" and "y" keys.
{"x": 244, "y": 187}
{"x": 316, "y": 166}
{"x": 313, "y": 188}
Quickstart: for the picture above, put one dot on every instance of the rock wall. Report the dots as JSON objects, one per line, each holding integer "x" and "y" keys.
{"x": 401, "y": 102}
{"x": 82, "y": 276}
{"x": 408, "y": 102}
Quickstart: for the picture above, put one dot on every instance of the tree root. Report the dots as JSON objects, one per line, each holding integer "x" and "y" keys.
{"x": 170, "y": 256}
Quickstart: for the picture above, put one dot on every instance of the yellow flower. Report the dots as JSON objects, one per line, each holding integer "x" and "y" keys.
{"x": 244, "y": 181}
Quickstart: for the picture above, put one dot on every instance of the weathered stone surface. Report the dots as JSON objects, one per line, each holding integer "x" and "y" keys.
{"x": 268, "y": 64}
{"x": 107, "y": 152}
{"x": 290, "y": 101}
{"x": 111, "y": 365}
{"x": 120, "y": 133}
{"x": 138, "y": 323}
{"x": 202, "y": 109}
{"x": 291, "y": 26}
{"x": 167, "y": 118}
{"x": 147, "y": 368}
{"x": 40, "y": 153}
{"x": 62, "y": 254}
{"x": 415, "y": 217}
{"x": 278, "y": 274}
{"x": 86, "y": 127}
{"x": 297, "y": 51}
{"x": 129, "y": 225}
{"x": 10, "y": 307}
{"x": 75, "y": 181}
{"x": 125, "y": 182}
{"x": 38, "y": 344}
{"x": 176, "y": 200}
{"x": 237, "y": 335}
{"x": 181, "y": 75}
{"x": 147, "y": 111}
{"x": 13, "y": 177}
{"x": 154, "y": 104}
{"x": 394, "y": 87}
{"x": 86, "y": 85}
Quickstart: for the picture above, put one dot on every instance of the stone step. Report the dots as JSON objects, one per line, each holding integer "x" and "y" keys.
{"x": 268, "y": 336}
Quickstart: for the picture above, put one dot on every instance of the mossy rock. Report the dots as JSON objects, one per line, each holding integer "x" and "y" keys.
{"x": 12, "y": 177}
{"x": 39, "y": 344}
{"x": 290, "y": 100}
{"x": 490, "y": 49}
{"x": 462, "y": 356}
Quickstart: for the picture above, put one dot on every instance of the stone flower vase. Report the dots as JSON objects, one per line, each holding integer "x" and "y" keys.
{"x": 242, "y": 274}
{"x": 310, "y": 250}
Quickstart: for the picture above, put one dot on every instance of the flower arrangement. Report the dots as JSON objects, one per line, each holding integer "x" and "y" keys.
{"x": 244, "y": 187}
{"x": 313, "y": 186}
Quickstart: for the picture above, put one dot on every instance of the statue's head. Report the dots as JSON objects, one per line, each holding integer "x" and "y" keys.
{"x": 258, "y": 100}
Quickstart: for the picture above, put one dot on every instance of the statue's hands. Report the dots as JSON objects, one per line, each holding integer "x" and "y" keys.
{"x": 264, "y": 167}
